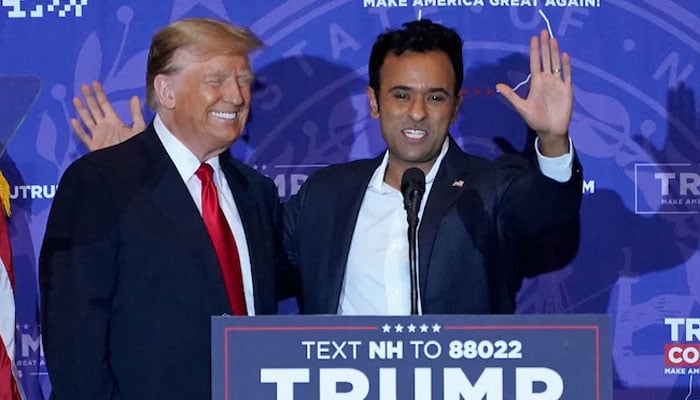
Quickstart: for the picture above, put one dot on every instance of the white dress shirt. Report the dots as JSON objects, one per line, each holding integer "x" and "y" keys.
{"x": 187, "y": 164}
{"x": 377, "y": 277}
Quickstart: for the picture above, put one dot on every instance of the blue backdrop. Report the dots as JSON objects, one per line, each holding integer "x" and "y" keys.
{"x": 635, "y": 126}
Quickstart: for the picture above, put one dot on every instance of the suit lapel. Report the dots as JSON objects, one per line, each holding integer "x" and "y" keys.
{"x": 445, "y": 190}
{"x": 171, "y": 197}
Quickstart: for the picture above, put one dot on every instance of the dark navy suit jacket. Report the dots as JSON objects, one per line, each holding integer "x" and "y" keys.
{"x": 129, "y": 277}
{"x": 469, "y": 238}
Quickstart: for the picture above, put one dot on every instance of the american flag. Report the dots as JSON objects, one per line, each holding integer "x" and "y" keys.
{"x": 9, "y": 381}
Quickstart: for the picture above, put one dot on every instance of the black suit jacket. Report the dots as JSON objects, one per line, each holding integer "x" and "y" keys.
{"x": 469, "y": 238}
{"x": 129, "y": 277}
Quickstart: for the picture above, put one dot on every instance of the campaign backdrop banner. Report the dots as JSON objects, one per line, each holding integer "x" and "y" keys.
{"x": 635, "y": 128}
{"x": 543, "y": 357}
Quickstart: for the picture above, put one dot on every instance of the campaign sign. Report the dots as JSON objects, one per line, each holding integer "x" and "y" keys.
{"x": 520, "y": 357}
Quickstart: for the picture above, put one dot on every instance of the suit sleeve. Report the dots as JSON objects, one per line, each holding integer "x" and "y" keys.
{"x": 292, "y": 209}
{"x": 531, "y": 203}
{"x": 291, "y": 212}
{"x": 539, "y": 216}
{"x": 287, "y": 277}
{"x": 78, "y": 275}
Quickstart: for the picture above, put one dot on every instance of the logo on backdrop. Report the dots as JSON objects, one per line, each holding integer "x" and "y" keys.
{"x": 682, "y": 352}
{"x": 667, "y": 188}
{"x": 480, "y": 3}
{"x": 19, "y": 9}
{"x": 288, "y": 177}
{"x": 30, "y": 352}
{"x": 33, "y": 191}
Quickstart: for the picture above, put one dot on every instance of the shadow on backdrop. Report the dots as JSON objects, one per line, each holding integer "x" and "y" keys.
{"x": 615, "y": 245}
{"x": 327, "y": 111}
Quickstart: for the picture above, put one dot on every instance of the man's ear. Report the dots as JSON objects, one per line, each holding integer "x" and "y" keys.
{"x": 164, "y": 91}
{"x": 458, "y": 105}
{"x": 373, "y": 103}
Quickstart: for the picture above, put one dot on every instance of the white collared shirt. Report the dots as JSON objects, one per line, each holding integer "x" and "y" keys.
{"x": 377, "y": 277}
{"x": 187, "y": 164}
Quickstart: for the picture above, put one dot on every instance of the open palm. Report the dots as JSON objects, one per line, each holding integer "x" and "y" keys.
{"x": 105, "y": 126}
{"x": 549, "y": 103}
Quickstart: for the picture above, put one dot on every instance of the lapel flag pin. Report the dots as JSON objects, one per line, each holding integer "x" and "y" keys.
{"x": 458, "y": 183}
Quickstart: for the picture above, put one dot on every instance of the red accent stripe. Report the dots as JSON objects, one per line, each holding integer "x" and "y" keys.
{"x": 5, "y": 248}
{"x": 9, "y": 389}
{"x": 8, "y": 385}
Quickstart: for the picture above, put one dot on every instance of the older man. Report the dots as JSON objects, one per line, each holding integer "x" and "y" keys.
{"x": 149, "y": 238}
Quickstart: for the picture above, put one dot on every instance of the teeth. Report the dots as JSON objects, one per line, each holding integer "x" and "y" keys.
{"x": 414, "y": 133}
{"x": 224, "y": 115}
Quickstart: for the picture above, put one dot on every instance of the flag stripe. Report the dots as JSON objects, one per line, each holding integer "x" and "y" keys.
{"x": 9, "y": 388}
{"x": 7, "y": 317}
{"x": 6, "y": 249}
{"x": 9, "y": 383}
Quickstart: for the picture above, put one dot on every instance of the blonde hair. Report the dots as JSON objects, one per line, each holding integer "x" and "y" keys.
{"x": 204, "y": 35}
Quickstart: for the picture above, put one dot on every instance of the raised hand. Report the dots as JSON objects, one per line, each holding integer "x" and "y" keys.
{"x": 549, "y": 103}
{"x": 105, "y": 127}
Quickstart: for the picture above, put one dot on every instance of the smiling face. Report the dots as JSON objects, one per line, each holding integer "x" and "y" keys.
{"x": 206, "y": 102}
{"x": 416, "y": 103}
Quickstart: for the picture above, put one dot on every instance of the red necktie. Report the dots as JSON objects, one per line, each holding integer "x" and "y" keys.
{"x": 222, "y": 238}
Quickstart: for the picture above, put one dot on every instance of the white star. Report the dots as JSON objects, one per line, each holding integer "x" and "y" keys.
{"x": 398, "y": 328}
{"x": 26, "y": 326}
{"x": 255, "y": 167}
{"x": 386, "y": 328}
{"x": 424, "y": 328}
{"x": 264, "y": 167}
{"x": 436, "y": 328}
{"x": 411, "y": 328}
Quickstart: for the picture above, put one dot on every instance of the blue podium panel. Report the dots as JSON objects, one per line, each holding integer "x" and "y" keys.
{"x": 520, "y": 357}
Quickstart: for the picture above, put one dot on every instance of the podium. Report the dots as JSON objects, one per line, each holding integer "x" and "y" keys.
{"x": 432, "y": 357}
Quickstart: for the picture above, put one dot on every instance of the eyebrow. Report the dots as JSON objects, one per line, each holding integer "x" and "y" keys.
{"x": 222, "y": 73}
{"x": 430, "y": 90}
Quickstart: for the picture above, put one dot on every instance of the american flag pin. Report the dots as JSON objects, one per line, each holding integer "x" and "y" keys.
{"x": 458, "y": 183}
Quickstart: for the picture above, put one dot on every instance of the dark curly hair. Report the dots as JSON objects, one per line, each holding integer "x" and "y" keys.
{"x": 418, "y": 36}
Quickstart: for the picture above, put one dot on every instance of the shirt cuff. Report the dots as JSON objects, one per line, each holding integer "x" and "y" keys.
{"x": 557, "y": 168}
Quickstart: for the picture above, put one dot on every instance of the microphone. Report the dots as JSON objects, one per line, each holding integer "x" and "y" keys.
{"x": 412, "y": 188}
